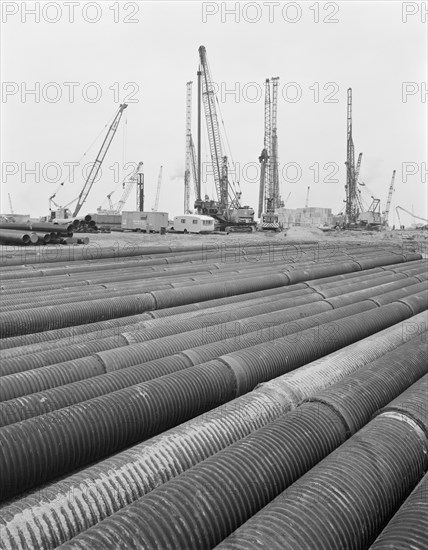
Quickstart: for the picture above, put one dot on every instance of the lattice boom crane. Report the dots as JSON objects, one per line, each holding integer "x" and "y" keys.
{"x": 98, "y": 161}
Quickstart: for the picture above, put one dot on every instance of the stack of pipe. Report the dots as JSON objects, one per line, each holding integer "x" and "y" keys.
{"x": 271, "y": 360}
{"x": 34, "y": 233}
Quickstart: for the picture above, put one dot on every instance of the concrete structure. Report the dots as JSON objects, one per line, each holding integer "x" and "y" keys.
{"x": 304, "y": 216}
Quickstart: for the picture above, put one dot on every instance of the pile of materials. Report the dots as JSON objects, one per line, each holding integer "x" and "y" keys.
{"x": 241, "y": 396}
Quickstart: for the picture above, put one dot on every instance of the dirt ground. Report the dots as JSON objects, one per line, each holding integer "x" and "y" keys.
{"x": 411, "y": 241}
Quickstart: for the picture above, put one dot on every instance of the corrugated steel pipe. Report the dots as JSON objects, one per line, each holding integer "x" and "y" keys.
{"x": 412, "y": 404}
{"x": 63, "y": 512}
{"x": 37, "y": 320}
{"x": 81, "y": 329}
{"x": 34, "y": 404}
{"x": 135, "y": 323}
{"x": 376, "y": 384}
{"x": 240, "y": 333}
{"x": 88, "y": 292}
{"x": 212, "y": 341}
{"x": 48, "y": 317}
{"x": 97, "y": 252}
{"x": 90, "y": 430}
{"x": 257, "y": 314}
{"x": 355, "y": 490}
{"x": 199, "y": 508}
{"x": 408, "y": 529}
{"x": 307, "y": 380}
{"x": 10, "y": 236}
{"x": 68, "y": 333}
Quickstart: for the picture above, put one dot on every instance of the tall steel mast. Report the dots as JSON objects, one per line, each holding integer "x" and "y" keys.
{"x": 188, "y": 148}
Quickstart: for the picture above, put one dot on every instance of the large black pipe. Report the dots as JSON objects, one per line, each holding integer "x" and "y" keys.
{"x": 86, "y": 432}
{"x": 68, "y": 506}
{"x": 198, "y": 509}
{"x": 11, "y": 236}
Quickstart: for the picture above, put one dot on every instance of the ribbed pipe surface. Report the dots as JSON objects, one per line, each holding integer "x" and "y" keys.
{"x": 28, "y": 406}
{"x": 412, "y": 403}
{"x": 31, "y": 361}
{"x": 62, "y": 513}
{"x": 205, "y": 504}
{"x": 51, "y": 317}
{"x": 353, "y": 491}
{"x": 357, "y": 397}
{"x": 200, "y": 507}
{"x": 408, "y": 529}
{"x": 101, "y": 425}
{"x": 45, "y": 447}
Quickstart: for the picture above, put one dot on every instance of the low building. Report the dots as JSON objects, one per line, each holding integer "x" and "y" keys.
{"x": 311, "y": 216}
{"x": 147, "y": 222}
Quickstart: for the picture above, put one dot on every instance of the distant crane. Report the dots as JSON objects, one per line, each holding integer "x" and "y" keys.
{"x": 10, "y": 204}
{"x": 156, "y": 206}
{"x": 408, "y": 212}
{"x": 388, "y": 202}
{"x": 98, "y": 161}
{"x": 127, "y": 185}
{"x": 307, "y": 198}
{"x": 288, "y": 196}
{"x": 358, "y": 168}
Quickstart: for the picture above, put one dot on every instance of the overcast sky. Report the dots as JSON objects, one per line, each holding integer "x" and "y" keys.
{"x": 145, "y": 52}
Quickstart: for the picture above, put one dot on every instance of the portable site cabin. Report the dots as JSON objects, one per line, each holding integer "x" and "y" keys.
{"x": 148, "y": 222}
{"x": 193, "y": 223}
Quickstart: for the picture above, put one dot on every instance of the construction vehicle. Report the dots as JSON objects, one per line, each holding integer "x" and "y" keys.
{"x": 226, "y": 209}
{"x": 269, "y": 197}
{"x": 127, "y": 186}
{"x": 371, "y": 218}
{"x": 64, "y": 212}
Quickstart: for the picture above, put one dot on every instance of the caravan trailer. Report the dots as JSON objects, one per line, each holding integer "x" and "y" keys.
{"x": 193, "y": 223}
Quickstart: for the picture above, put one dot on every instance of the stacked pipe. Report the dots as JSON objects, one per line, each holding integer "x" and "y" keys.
{"x": 62, "y": 513}
{"x": 33, "y": 233}
{"x": 354, "y": 491}
{"x": 42, "y": 318}
{"x": 88, "y": 431}
{"x": 202, "y": 506}
{"x": 100, "y": 354}
{"x": 25, "y": 375}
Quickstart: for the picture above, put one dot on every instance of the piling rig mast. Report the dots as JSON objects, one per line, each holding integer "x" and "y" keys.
{"x": 269, "y": 197}
{"x": 188, "y": 156}
{"x": 353, "y": 201}
{"x": 226, "y": 210}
